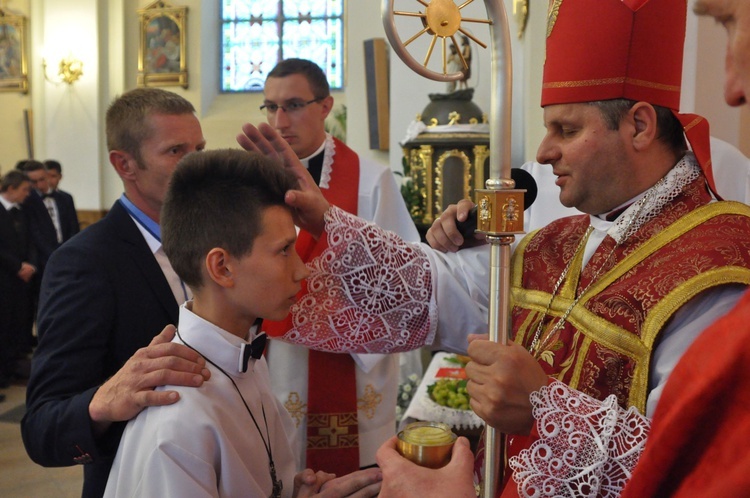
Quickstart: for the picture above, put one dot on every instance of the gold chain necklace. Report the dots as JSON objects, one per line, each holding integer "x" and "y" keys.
{"x": 540, "y": 343}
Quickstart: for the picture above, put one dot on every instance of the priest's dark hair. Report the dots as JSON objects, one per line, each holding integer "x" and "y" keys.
{"x": 216, "y": 199}
{"x": 311, "y": 71}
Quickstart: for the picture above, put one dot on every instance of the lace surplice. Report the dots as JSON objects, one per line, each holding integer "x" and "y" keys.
{"x": 369, "y": 292}
{"x": 586, "y": 447}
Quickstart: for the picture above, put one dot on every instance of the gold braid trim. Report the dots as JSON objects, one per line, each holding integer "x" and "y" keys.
{"x": 597, "y": 329}
{"x": 611, "y": 81}
{"x": 667, "y": 236}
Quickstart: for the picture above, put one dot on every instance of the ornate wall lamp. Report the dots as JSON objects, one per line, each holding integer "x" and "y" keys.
{"x": 69, "y": 71}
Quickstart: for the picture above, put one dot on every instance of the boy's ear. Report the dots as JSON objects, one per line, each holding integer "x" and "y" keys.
{"x": 217, "y": 267}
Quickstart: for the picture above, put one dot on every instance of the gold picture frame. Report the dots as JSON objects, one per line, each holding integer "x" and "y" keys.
{"x": 13, "y": 66}
{"x": 162, "y": 57}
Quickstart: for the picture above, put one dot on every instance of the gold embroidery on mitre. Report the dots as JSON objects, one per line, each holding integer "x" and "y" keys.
{"x": 369, "y": 401}
{"x": 332, "y": 430}
{"x": 693, "y": 123}
{"x": 554, "y": 10}
{"x": 619, "y": 80}
{"x": 296, "y": 408}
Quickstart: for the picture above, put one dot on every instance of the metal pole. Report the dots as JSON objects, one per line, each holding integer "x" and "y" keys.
{"x": 500, "y": 164}
{"x": 501, "y": 209}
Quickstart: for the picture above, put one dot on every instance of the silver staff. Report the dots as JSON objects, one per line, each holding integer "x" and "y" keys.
{"x": 500, "y": 213}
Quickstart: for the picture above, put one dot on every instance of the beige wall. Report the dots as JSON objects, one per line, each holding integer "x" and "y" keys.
{"x": 12, "y": 106}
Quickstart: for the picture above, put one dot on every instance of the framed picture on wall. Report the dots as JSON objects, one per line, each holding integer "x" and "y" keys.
{"x": 13, "y": 69}
{"x": 162, "y": 57}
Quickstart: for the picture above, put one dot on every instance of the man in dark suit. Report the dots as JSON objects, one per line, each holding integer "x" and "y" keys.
{"x": 41, "y": 213}
{"x": 43, "y": 232}
{"x": 105, "y": 294}
{"x": 65, "y": 205}
{"x": 17, "y": 268}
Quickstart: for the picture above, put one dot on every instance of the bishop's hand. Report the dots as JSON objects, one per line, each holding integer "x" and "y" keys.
{"x": 308, "y": 201}
{"x": 501, "y": 380}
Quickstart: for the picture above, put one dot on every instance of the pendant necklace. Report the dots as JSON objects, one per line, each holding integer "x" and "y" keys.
{"x": 277, "y": 485}
{"x": 540, "y": 342}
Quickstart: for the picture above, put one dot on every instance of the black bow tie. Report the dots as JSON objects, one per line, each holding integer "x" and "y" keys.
{"x": 44, "y": 196}
{"x": 253, "y": 350}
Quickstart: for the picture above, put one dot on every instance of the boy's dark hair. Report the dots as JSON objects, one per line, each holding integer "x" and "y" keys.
{"x": 52, "y": 164}
{"x": 216, "y": 199}
{"x": 126, "y": 125}
{"x": 311, "y": 71}
{"x": 13, "y": 179}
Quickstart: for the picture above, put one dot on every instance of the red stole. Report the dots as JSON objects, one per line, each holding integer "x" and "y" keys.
{"x": 332, "y": 427}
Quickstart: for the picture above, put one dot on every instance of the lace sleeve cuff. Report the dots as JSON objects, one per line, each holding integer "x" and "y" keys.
{"x": 368, "y": 292}
{"x": 586, "y": 447}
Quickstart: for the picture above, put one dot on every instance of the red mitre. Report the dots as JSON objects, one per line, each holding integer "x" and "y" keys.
{"x": 611, "y": 49}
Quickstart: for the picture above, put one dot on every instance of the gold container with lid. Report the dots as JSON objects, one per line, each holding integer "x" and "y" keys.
{"x": 427, "y": 444}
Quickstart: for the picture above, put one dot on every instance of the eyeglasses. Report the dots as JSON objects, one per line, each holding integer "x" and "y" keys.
{"x": 290, "y": 107}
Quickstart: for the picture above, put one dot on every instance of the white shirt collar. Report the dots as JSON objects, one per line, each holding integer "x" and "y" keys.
{"x": 7, "y": 204}
{"x": 330, "y": 151}
{"x": 153, "y": 243}
{"x": 306, "y": 160}
{"x": 221, "y": 347}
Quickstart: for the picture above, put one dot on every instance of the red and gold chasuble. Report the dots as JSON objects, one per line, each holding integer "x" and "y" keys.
{"x": 606, "y": 344}
{"x": 332, "y": 427}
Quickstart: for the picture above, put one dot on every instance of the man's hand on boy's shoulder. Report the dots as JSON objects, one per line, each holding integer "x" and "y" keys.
{"x": 131, "y": 389}
{"x": 360, "y": 484}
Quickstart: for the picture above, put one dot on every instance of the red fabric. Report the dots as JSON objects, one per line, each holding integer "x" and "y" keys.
{"x": 697, "y": 443}
{"x": 332, "y": 426}
{"x": 581, "y": 355}
{"x": 332, "y": 429}
{"x": 698, "y": 134}
{"x": 608, "y": 49}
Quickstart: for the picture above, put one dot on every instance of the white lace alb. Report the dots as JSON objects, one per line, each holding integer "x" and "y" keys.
{"x": 586, "y": 447}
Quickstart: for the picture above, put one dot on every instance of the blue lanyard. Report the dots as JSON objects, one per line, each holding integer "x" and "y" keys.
{"x": 148, "y": 224}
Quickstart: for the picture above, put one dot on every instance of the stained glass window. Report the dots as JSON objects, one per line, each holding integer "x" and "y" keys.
{"x": 257, "y": 34}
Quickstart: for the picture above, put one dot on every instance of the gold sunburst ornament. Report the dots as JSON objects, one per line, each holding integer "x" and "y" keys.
{"x": 442, "y": 19}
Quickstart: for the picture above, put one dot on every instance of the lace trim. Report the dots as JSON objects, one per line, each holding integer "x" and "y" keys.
{"x": 586, "y": 447}
{"x": 329, "y": 152}
{"x": 369, "y": 292}
{"x": 655, "y": 198}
